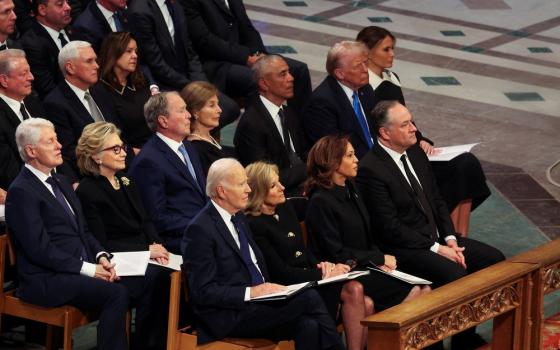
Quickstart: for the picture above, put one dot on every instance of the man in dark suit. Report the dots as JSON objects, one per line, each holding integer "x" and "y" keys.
{"x": 225, "y": 269}
{"x": 166, "y": 49}
{"x": 16, "y": 105}
{"x": 100, "y": 18}
{"x": 167, "y": 171}
{"x": 75, "y": 102}
{"x": 44, "y": 40}
{"x": 410, "y": 219}
{"x": 269, "y": 131}
{"x": 58, "y": 260}
{"x": 340, "y": 104}
{"x": 7, "y": 25}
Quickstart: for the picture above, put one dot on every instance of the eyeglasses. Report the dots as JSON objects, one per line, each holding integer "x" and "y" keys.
{"x": 116, "y": 148}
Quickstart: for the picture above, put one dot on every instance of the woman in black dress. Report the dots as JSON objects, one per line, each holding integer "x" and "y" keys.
{"x": 116, "y": 217}
{"x": 277, "y": 231}
{"x": 339, "y": 224}
{"x": 124, "y": 84}
{"x": 201, "y": 98}
{"x": 461, "y": 180}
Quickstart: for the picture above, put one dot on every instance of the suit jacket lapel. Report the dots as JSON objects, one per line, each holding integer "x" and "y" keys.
{"x": 9, "y": 113}
{"x": 96, "y": 12}
{"x": 195, "y": 161}
{"x": 161, "y": 21}
{"x": 223, "y": 230}
{"x": 222, "y": 6}
{"x": 76, "y": 104}
{"x": 269, "y": 121}
{"x": 70, "y": 198}
{"x": 42, "y": 32}
{"x": 174, "y": 159}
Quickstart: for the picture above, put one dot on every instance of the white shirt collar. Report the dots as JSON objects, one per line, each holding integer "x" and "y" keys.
{"x": 226, "y": 216}
{"x": 40, "y": 175}
{"x": 174, "y": 145}
{"x": 349, "y": 92}
{"x": 106, "y": 13}
{"x": 54, "y": 35}
{"x": 79, "y": 92}
{"x": 270, "y": 106}
{"x": 5, "y": 43}
{"x": 13, "y": 104}
{"x": 396, "y": 156}
{"x": 375, "y": 80}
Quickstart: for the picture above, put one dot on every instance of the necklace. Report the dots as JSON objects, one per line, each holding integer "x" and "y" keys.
{"x": 117, "y": 185}
{"x": 211, "y": 140}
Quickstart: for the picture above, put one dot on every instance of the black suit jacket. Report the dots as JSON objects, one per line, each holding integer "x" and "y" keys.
{"x": 10, "y": 161}
{"x": 92, "y": 26}
{"x": 42, "y": 56}
{"x": 119, "y": 225}
{"x": 48, "y": 242}
{"x": 257, "y": 138}
{"x": 69, "y": 116}
{"x": 329, "y": 112}
{"x": 157, "y": 50}
{"x": 216, "y": 272}
{"x": 400, "y": 223}
{"x": 221, "y": 35}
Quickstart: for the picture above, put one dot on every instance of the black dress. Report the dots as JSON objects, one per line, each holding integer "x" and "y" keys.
{"x": 339, "y": 230}
{"x": 280, "y": 239}
{"x": 118, "y": 220}
{"x": 208, "y": 153}
{"x": 458, "y": 179}
{"x": 129, "y": 106}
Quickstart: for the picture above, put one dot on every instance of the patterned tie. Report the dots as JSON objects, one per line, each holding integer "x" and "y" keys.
{"x": 420, "y": 197}
{"x": 93, "y": 109}
{"x": 256, "y": 276}
{"x": 23, "y": 111}
{"x": 62, "y": 39}
{"x": 361, "y": 118}
{"x": 190, "y": 167}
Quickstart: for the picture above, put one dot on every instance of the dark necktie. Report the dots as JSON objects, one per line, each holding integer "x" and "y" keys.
{"x": 189, "y": 164}
{"x": 256, "y": 276}
{"x": 420, "y": 197}
{"x": 177, "y": 37}
{"x": 3, "y": 47}
{"x": 118, "y": 22}
{"x": 361, "y": 118}
{"x": 293, "y": 157}
{"x": 62, "y": 39}
{"x": 23, "y": 111}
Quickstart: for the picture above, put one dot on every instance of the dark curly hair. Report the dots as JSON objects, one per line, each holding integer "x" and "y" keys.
{"x": 322, "y": 161}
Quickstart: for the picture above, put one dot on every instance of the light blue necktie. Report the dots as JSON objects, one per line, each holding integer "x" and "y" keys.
{"x": 361, "y": 118}
{"x": 190, "y": 167}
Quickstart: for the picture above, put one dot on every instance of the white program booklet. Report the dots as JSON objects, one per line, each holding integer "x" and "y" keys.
{"x": 131, "y": 263}
{"x": 450, "y": 152}
{"x": 175, "y": 262}
{"x": 344, "y": 277}
{"x": 290, "y": 290}
{"x": 401, "y": 276}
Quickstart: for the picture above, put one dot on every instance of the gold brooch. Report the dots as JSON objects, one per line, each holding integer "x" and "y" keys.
{"x": 125, "y": 180}
{"x": 291, "y": 234}
{"x": 298, "y": 254}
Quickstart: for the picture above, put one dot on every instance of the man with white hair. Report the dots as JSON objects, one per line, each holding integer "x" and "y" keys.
{"x": 16, "y": 104}
{"x": 75, "y": 102}
{"x": 225, "y": 269}
{"x": 58, "y": 260}
{"x": 42, "y": 42}
{"x": 342, "y": 102}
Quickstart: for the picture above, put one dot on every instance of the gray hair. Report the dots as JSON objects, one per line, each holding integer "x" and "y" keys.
{"x": 262, "y": 66}
{"x": 340, "y": 49}
{"x": 28, "y": 132}
{"x": 69, "y": 52}
{"x": 7, "y": 58}
{"x": 155, "y": 106}
{"x": 218, "y": 174}
{"x": 380, "y": 114}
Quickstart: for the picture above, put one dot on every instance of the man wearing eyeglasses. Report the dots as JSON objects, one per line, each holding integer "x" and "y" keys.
{"x": 75, "y": 102}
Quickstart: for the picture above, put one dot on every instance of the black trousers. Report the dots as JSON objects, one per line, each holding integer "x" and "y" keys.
{"x": 303, "y": 318}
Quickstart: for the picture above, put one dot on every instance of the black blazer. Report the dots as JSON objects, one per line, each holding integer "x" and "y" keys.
{"x": 281, "y": 242}
{"x": 222, "y": 36}
{"x": 329, "y": 112}
{"x": 48, "y": 242}
{"x": 10, "y": 161}
{"x": 157, "y": 50}
{"x": 69, "y": 117}
{"x": 399, "y": 221}
{"x": 257, "y": 138}
{"x": 92, "y": 26}
{"x": 42, "y": 56}
{"x": 216, "y": 273}
{"x": 339, "y": 227}
{"x": 116, "y": 218}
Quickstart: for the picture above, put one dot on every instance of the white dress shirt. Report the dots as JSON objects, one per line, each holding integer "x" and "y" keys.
{"x": 273, "y": 110}
{"x": 14, "y": 106}
{"x": 167, "y": 17}
{"x": 396, "y": 157}
{"x": 81, "y": 95}
{"x": 108, "y": 16}
{"x": 54, "y": 35}
{"x": 227, "y": 220}
{"x": 174, "y": 145}
{"x": 375, "y": 80}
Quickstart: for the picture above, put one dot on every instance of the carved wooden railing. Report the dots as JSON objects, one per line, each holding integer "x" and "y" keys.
{"x": 544, "y": 280}
{"x": 499, "y": 292}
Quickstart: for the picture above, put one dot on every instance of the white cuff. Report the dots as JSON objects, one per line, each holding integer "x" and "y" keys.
{"x": 435, "y": 247}
{"x": 247, "y": 294}
{"x": 88, "y": 269}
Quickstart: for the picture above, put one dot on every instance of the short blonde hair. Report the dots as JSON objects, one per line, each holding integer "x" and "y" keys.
{"x": 259, "y": 178}
{"x": 91, "y": 142}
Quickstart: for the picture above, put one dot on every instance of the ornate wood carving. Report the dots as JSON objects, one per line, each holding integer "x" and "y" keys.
{"x": 462, "y": 317}
{"x": 551, "y": 278}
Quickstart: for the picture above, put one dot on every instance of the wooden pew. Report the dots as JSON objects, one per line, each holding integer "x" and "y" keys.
{"x": 544, "y": 280}
{"x": 499, "y": 292}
